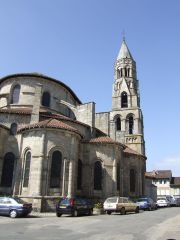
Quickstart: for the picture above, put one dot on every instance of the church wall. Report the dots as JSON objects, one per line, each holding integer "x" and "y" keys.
{"x": 108, "y": 155}
{"x": 7, "y": 119}
{"x": 42, "y": 143}
{"x": 131, "y": 161}
{"x": 102, "y": 121}
{"x": 27, "y": 91}
{"x": 86, "y": 113}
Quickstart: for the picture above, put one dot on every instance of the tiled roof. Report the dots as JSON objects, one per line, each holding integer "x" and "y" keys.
{"x": 49, "y": 123}
{"x": 17, "y": 110}
{"x": 160, "y": 174}
{"x": 103, "y": 139}
{"x": 150, "y": 174}
{"x": 131, "y": 151}
{"x": 175, "y": 181}
{"x": 3, "y": 126}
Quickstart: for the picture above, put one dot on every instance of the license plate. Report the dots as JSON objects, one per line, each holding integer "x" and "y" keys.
{"x": 62, "y": 207}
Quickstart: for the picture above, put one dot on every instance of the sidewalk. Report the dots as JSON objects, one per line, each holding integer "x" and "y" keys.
{"x": 42, "y": 214}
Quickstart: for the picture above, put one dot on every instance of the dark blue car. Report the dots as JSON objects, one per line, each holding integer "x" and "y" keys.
{"x": 146, "y": 203}
{"x": 74, "y": 207}
{"x": 14, "y": 207}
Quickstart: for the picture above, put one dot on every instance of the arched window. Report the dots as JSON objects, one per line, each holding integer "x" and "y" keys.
{"x": 118, "y": 73}
{"x": 13, "y": 129}
{"x": 118, "y": 124}
{"x": 46, "y": 99}
{"x": 55, "y": 176}
{"x": 118, "y": 176}
{"x": 132, "y": 180}
{"x": 97, "y": 176}
{"x": 15, "y": 94}
{"x": 124, "y": 100}
{"x": 79, "y": 175}
{"x": 131, "y": 124}
{"x": 27, "y": 168}
{"x": 8, "y": 169}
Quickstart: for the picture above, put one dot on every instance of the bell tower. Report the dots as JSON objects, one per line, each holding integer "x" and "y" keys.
{"x": 126, "y": 119}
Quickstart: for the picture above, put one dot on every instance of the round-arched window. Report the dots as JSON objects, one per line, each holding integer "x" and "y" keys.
{"x": 15, "y": 94}
{"x": 56, "y": 163}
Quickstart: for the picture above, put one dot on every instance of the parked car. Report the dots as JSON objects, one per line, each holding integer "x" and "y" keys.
{"x": 172, "y": 201}
{"x": 74, "y": 207}
{"x": 120, "y": 205}
{"x": 162, "y": 202}
{"x": 146, "y": 203}
{"x": 14, "y": 207}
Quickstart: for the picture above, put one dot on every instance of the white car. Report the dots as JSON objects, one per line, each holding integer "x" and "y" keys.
{"x": 162, "y": 202}
{"x": 120, "y": 204}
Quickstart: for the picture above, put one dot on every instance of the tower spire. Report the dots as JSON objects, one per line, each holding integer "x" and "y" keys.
{"x": 124, "y": 50}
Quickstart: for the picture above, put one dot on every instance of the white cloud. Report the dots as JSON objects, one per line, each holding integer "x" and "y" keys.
{"x": 169, "y": 163}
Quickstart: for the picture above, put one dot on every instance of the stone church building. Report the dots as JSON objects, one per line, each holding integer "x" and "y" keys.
{"x": 53, "y": 145}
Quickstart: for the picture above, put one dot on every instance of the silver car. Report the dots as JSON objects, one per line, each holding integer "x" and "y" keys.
{"x": 120, "y": 205}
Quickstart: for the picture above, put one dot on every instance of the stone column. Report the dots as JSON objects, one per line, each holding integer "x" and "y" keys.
{"x": 123, "y": 124}
{"x": 64, "y": 178}
{"x": 114, "y": 176}
{"x": 70, "y": 182}
{"x": 36, "y": 171}
{"x": 135, "y": 130}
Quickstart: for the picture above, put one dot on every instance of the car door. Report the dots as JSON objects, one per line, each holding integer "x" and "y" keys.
{"x": 2, "y": 210}
{"x": 132, "y": 206}
{"x": 126, "y": 204}
{"x": 4, "y": 206}
{"x": 79, "y": 205}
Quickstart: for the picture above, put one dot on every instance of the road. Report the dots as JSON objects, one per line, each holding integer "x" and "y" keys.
{"x": 163, "y": 224}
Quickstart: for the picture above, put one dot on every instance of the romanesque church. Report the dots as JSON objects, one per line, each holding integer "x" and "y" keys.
{"x": 53, "y": 145}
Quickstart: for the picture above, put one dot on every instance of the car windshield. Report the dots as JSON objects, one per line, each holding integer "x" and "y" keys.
{"x": 18, "y": 200}
{"x": 142, "y": 200}
{"x": 111, "y": 200}
{"x": 65, "y": 201}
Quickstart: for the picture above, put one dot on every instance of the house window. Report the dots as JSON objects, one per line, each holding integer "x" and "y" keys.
{"x": 13, "y": 129}
{"x": 97, "y": 176}
{"x": 124, "y": 100}
{"x": 56, "y": 169}
{"x": 118, "y": 124}
{"x": 132, "y": 180}
{"x": 15, "y": 94}
{"x": 46, "y": 99}
{"x": 27, "y": 168}
{"x": 79, "y": 175}
{"x": 8, "y": 169}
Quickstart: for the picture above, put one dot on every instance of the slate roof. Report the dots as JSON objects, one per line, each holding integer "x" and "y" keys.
{"x": 124, "y": 51}
{"x": 160, "y": 174}
{"x": 175, "y": 181}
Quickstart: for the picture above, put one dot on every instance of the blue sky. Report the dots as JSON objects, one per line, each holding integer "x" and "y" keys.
{"x": 77, "y": 42}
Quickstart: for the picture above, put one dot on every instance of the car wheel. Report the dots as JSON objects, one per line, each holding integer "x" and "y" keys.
{"x": 90, "y": 212}
{"x": 123, "y": 211}
{"x": 109, "y": 212}
{"x": 13, "y": 214}
{"x": 75, "y": 213}
{"x": 137, "y": 210}
{"x": 58, "y": 214}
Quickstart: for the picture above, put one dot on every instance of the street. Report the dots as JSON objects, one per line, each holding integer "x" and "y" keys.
{"x": 162, "y": 224}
